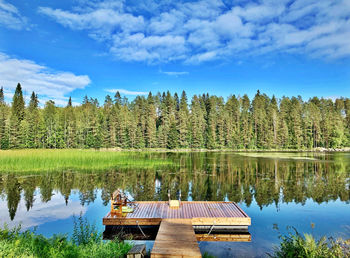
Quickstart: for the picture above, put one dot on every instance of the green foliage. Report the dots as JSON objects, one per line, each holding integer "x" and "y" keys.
{"x": 84, "y": 232}
{"x": 167, "y": 121}
{"x": 207, "y": 255}
{"x": 14, "y": 243}
{"x": 296, "y": 245}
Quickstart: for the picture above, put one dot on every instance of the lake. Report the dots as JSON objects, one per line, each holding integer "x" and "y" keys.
{"x": 308, "y": 191}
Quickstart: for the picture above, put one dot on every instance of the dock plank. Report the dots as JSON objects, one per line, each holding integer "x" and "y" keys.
{"x": 176, "y": 238}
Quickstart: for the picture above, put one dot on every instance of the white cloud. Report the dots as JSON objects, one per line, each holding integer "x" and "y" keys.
{"x": 166, "y": 22}
{"x": 48, "y": 84}
{"x": 10, "y": 17}
{"x": 259, "y": 12}
{"x": 207, "y": 56}
{"x": 126, "y": 92}
{"x": 101, "y": 21}
{"x": 176, "y": 74}
{"x": 41, "y": 212}
{"x": 204, "y": 30}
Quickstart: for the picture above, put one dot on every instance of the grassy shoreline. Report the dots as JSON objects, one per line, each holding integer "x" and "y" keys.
{"x": 45, "y": 160}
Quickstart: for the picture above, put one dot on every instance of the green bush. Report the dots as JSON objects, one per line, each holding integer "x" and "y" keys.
{"x": 84, "y": 232}
{"x": 297, "y": 245}
{"x": 86, "y": 242}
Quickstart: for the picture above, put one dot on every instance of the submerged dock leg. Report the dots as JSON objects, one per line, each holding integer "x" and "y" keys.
{"x": 176, "y": 238}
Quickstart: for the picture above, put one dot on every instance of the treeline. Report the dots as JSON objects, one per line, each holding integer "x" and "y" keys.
{"x": 169, "y": 121}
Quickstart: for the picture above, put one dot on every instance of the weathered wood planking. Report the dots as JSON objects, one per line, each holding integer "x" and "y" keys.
{"x": 176, "y": 238}
{"x": 200, "y": 213}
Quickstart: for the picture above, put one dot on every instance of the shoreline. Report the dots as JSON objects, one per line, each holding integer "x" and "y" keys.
{"x": 315, "y": 150}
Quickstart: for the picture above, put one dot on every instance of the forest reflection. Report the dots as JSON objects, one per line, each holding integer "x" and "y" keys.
{"x": 198, "y": 176}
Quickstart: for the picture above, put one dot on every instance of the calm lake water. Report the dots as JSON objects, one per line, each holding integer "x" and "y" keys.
{"x": 276, "y": 190}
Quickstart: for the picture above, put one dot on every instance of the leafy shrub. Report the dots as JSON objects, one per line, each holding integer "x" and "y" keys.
{"x": 84, "y": 232}
{"x": 297, "y": 245}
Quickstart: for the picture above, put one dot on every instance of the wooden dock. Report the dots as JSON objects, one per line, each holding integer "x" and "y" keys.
{"x": 176, "y": 238}
{"x": 200, "y": 213}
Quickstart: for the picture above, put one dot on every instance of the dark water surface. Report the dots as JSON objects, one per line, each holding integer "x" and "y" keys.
{"x": 276, "y": 190}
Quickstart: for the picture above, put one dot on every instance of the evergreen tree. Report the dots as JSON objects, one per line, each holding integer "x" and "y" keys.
{"x": 233, "y": 133}
{"x": 2, "y": 98}
{"x": 220, "y": 123}
{"x": 211, "y": 123}
{"x": 172, "y": 137}
{"x": 69, "y": 125}
{"x": 246, "y": 125}
{"x": 33, "y": 122}
{"x": 312, "y": 120}
{"x": 183, "y": 121}
{"x": 4, "y": 139}
{"x": 50, "y": 119}
{"x": 197, "y": 119}
{"x": 151, "y": 117}
{"x": 296, "y": 122}
{"x": 285, "y": 133}
{"x": 273, "y": 117}
{"x": 18, "y": 103}
{"x": 17, "y": 116}
{"x": 337, "y": 133}
{"x": 109, "y": 123}
{"x": 259, "y": 106}
{"x": 347, "y": 121}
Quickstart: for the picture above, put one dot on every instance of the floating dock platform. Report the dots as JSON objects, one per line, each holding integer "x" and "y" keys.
{"x": 177, "y": 225}
{"x": 151, "y": 213}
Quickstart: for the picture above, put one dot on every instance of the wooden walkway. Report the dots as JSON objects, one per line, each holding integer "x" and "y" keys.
{"x": 200, "y": 213}
{"x": 176, "y": 238}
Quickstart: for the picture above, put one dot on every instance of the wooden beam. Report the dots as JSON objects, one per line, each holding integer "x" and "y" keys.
{"x": 224, "y": 237}
{"x": 131, "y": 222}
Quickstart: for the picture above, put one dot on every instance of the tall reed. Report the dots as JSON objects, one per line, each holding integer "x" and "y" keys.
{"x": 44, "y": 160}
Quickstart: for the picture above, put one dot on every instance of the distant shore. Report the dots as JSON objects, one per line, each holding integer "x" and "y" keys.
{"x": 319, "y": 149}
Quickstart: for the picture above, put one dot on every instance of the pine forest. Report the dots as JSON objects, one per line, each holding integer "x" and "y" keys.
{"x": 173, "y": 121}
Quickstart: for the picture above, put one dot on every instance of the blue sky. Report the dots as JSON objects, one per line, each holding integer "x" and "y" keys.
{"x": 78, "y": 47}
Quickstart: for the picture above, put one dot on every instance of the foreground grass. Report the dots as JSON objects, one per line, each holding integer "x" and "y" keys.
{"x": 86, "y": 242}
{"x": 43, "y": 160}
{"x": 297, "y": 245}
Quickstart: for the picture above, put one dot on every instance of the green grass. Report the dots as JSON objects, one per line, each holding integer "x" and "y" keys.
{"x": 44, "y": 160}
{"x": 85, "y": 242}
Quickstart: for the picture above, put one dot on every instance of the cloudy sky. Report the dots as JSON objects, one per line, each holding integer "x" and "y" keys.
{"x": 72, "y": 48}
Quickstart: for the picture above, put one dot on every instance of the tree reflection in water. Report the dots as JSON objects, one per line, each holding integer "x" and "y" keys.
{"x": 199, "y": 176}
